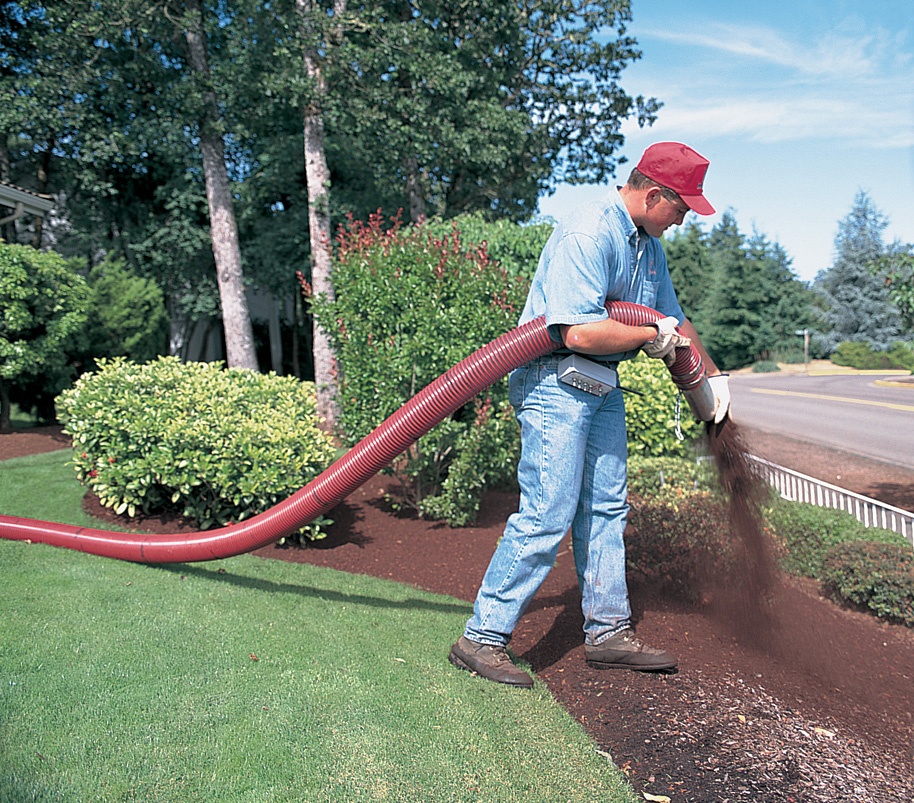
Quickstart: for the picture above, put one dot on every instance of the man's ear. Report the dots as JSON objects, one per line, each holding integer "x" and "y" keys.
{"x": 652, "y": 197}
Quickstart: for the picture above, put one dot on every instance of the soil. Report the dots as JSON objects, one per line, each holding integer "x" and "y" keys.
{"x": 794, "y": 701}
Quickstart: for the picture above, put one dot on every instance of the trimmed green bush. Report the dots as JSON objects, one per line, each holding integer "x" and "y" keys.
{"x": 677, "y": 545}
{"x": 876, "y": 576}
{"x": 215, "y": 445}
{"x": 651, "y": 410}
{"x": 669, "y": 478}
{"x": 765, "y": 367}
{"x": 410, "y": 305}
{"x": 863, "y": 357}
{"x": 804, "y": 533}
{"x": 127, "y": 315}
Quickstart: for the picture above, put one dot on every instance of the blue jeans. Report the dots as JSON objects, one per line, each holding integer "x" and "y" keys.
{"x": 572, "y": 473}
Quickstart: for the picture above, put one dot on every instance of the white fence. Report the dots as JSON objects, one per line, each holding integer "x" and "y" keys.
{"x": 871, "y": 513}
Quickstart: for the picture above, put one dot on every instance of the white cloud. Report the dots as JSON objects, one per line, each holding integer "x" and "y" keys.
{"x": 850, "y": 84}
{"x": 771, "y": 121}
{"x": 849, "y": 50}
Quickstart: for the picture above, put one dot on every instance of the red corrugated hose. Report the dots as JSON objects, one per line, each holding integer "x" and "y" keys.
{"x": 445, "y": 395}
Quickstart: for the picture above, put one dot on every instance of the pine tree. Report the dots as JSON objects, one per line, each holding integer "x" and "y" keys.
{"x": 858, "y": 306}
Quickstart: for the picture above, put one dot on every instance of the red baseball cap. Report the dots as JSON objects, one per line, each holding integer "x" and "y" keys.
{"x": 680, "y": 168}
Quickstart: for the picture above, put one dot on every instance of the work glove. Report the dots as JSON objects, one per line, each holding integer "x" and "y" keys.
{"x": 663, "y": 347}
{"x": 720, "y": 387}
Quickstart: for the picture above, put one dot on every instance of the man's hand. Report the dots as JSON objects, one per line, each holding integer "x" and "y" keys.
{"x": 720, "y": 386}
{"x": 667, "y": 340}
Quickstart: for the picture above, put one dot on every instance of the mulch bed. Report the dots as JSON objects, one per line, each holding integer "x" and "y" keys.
{"x": 809, "y": 703}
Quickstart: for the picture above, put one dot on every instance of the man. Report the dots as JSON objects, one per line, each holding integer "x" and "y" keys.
{"x": 572, "y": 470}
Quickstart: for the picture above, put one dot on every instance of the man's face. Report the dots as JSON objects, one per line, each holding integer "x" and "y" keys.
{"x": 663, "y": 213}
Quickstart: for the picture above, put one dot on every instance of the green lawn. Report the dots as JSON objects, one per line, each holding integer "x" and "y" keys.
{"x": 254, "y": 680}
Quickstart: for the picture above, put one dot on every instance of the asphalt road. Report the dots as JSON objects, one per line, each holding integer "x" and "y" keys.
{"x": 850, "y": 412}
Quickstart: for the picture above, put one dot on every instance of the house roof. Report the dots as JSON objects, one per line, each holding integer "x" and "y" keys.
{"x": 32, "y": 202}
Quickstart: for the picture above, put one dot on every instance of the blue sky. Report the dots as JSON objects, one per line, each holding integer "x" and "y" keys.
{"x": 798, "y": 105}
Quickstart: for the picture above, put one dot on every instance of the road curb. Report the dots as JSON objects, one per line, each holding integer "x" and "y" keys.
{"x": 896, "y": 383}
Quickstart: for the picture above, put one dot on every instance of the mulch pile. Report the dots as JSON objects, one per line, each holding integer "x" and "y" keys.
{"x": 818, "y": 708}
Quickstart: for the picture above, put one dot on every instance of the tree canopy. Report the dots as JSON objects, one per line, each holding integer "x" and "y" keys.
{"x": 741, "y": 293}
{"x": 857, "y": 303}
{"x": 42, "y": 303}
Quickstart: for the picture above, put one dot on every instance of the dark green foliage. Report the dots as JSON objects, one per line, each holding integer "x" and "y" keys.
{"x": 127, "y": 315}
{"x": 896, "y": 270}
{"x": 689, "y": 259}
{"x": 804, "y": 533}
{"x": 215, "y": 446}
{"x": 437, "y": 108}
{"x": 861, "y": 355}
{"x": 42, "y": 303}
{"x": 858, "y": 303}
{"x": 678, "y": 546}
{"x": 409, "y": 306}
{"x": 877, "y": 576}
{"x": 742, "y": 295}
{"x": 516, "y": 248}
{"x": 650, "y": 411}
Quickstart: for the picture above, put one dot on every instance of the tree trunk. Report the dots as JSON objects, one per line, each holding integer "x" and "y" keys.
{"x": 418, "y": 209}
{"x": 5, "y": 408}
{"x": 275, "y": 328}
{"x": 44, "y": 169}
{"x": 236, "y": 319}
{"x": 318, "y": 178}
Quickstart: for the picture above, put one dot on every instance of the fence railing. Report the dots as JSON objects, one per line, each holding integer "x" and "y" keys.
{"x": 798, "y": 487}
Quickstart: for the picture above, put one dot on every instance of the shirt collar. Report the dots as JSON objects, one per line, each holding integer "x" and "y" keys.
{"x": 629, "y": 229}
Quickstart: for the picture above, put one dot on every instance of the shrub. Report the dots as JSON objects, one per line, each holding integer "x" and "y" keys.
{"x": 877, "y": 576}
{"x": 217, "y": 446}
{"x": 409, "y": 306}
{"x": 669, "y": 477}
{"x": 125, "y": 317}
{"x": 804, "y": 533}
{"x": 677, "y": 546}
{"x": 863, "y": 357}
{"x": 765, "y": 367}
{"x": 42, "y": 302}
{"x": 514, "y": 247}
{"x": 651, "y": 410}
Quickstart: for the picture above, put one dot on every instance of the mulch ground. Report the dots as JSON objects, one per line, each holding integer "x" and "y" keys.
{"x": 815, "y": 706}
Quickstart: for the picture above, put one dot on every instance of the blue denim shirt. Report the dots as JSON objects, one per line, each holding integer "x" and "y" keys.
{"x": 593, "y": 257}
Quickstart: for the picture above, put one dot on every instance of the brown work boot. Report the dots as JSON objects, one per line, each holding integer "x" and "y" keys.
{"x": 626, "y": 651}
{"x": 488, "y": 661}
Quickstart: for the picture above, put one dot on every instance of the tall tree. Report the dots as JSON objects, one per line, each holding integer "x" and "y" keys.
{"x": 317, "y": 175}
{"x": 127, "y": 106}
{"x": 785, "y": 303}
{"x": 858, "y": 306}
{"x": 239, "y": 335}
{"x": 733, "y": 319}
{"x": 691, "y": 270}
{"x": 486, "y": 104}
